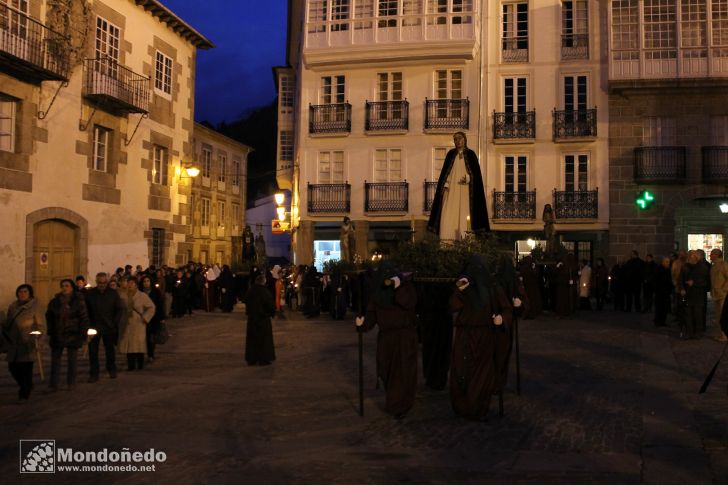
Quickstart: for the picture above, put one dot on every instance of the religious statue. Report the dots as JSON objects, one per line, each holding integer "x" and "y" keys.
{"x": 347, "y": 239}
{"x": 260, "y": 257}
{"x": 548, "y": 228}
{"x": 248, "y": 244}
{"x": 459, "y": 203}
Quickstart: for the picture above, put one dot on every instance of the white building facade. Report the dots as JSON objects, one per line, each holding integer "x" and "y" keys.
{"x": 375, "y": 90}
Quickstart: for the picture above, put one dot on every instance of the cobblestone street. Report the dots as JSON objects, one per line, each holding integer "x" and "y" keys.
{"x": 606, "y": 398}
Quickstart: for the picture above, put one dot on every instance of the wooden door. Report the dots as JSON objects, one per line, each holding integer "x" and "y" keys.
{"x": 54, "y": 257}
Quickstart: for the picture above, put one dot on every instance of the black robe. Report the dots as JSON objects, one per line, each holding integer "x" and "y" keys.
{"x": 478, "y": 209}
{"x": 260, "y": 308}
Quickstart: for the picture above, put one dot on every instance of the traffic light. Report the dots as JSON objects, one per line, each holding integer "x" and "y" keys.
{"x": 645, "y": 200}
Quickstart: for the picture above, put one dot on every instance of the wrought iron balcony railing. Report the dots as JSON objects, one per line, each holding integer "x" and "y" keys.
{"x": 329, "y": 118}
{"x": 715, "y": 164}
{"x": 515, "y": 49}
{"x": 575, "y": 124}
{"x": 111, "y": 84}
{"x": 514, "y": 205}
{"x": 447, "y": 113}
{"x": 386, "y": 196}
{"x": 660, "y": 164}
{"x": 429, "y": 190}
{"x": 328, "y": 198}
{"x": 30, "y": 49}
{"x": 514, "y": 125}
{"x": 575, "y": 46}
{"x": 387, "y": 115}
{"x": 576, "y": 204}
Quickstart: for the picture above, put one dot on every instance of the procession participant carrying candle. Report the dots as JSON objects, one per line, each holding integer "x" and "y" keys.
{"x": 105, "y": 311}
{"x": 68, "y": 324}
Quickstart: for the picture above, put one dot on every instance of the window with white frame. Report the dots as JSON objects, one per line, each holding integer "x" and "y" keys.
{"x": 205, "y": 211}
{"x": 363, "y": 13}
{"x": 515, "y": 26}
{"x": 659, "y": 131}
{"x": 576, "y": 92}
{"x": 693, "y": 24}
{"x": 719, "y": 130}
{"x": 449, "y": 84}
{"x": 340, "y": 10}
{"x": 719, "y": 21}
{"x": 101, "y": 148}
{"x": 389, "y": 88}
{"x": 574, "y": 20}
{"x": 107, "y": 47}
{"x": 286, "y": 141}
{"x": 8, "y": 120}
{"x": 235, "y": 215}
{"x": 385, "y": 9}
{"x": 515, "y": 94}
{"x": 388, "y": 165}
{"x": 159, "y": 172}
{"x": 437, "y": 6}
{"x": 625, "y": 25}
{"x": 287, "y": 87}
{"x": 157, "y": 247}
{"x": 332, "y": 89}
{"x": 220, "y": 213}
{"x": 659, "y": 24}
{"x": 515, "y": 173}
{"x": 236, "y": 172}
{"x": 163, "y": 74}
{"x": 576, "y": 172}
{"x": 331, "y": 167}
{"x": 462, "y": 6}
{"x": 412, "y": 12}
{"x": 206, "y": 162}
{"x": 222, "y": 167}
{"x": 438, "y": 160}
{"x": 15, "y": 23}
{"x": 317, "y": 14}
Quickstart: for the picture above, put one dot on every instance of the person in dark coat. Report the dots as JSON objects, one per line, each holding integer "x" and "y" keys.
{"x": 68, "y": 324}
{"x": 339, "y": 300}
{"x": 482, "y": 342}
{"x": 226, "y": 284}
{"x": 259, "y": 306}
{"x": 21, "y": 331}
{"x": 477, "y": 209}
{"x": 600, "y": 279}
{"x": 311, "y": 292}
{"x": 530, "y": 278}
{"x": 663, "y": 291}
{"x": 155, "y": 324}
{"x": 562, "y": 296}
{"x": 694, "y": 283}
{"x": 180, "y": 295}
{"x": 105, "y": 313}
{"x": 392, "y": 308}
{"x": 632, "y": 277}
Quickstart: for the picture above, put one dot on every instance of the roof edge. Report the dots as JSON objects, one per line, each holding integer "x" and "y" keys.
{"x": 173, "y": 21}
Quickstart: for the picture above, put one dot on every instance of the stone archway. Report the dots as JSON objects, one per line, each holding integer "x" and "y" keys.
{"x": 59, "y": 232}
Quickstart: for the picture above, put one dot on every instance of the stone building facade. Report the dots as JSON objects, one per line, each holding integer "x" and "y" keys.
{"x": 218, "y": 198}
{"x": 96, "y": 110}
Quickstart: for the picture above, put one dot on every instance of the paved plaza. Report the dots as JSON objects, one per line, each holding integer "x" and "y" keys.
{"x": 605, "y": 398}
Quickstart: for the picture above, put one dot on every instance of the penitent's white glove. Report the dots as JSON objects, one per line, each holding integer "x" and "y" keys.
{"x": 498, "y": 320}
{"x": 359, "y": 321}
{"x": 462, "y": 283}
{"x": 517, "y": 302}
{"x": 396, "y": 282}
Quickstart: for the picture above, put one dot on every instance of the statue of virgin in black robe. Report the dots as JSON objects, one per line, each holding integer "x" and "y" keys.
{"x": 452, "y": 203}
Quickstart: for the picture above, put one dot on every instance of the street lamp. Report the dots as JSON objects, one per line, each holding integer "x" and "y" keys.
{"x": 192, "y": 171}
{"x": 724, "y": 207}
{"x": 280, "y": 197}
{"x": 281, "y": 213}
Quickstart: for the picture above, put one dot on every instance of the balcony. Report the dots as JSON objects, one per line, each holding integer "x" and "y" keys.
{"x": 514, "y": 126}
{"x": 575, "y": 124}
{"x": 329, "y": 198}
{"x": 386, "y": 196}
{"x": 329, "y": 118}
{"x": 112, "y": 85}
{"x": 387, "y": 115}
{"x": 447, "y": 114}
{"x": 429, "y": 190}
{"x": 514, "y": 205}
{"x": 656, "y": 64}
{"x": 715, "y": 165}
{"x": 574, "y": 46}
{"x": 29, "y": 49}
{"x": 577, "y": 204}
{"x": 659, "y": 165}
{"x": 515, "y": 49}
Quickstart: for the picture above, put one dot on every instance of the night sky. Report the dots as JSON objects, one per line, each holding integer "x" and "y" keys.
{"x": 249, "y": 38}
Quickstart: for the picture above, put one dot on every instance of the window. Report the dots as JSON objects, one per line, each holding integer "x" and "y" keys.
{"x": 576, "y": 93}
{"x": 389, "y": 88}
{"x": 286, "y": 145}
{"x": 317, "y": 16}
{"x": 15, "y": 24}
{"x": 441, "y": 7}
{"x": 625, "y": 25}
{"x": 438, "y": 160}
{"x": 331, "y": 167}
{"x": 514, "y": 95}
{"x": 221, "y": 214}
{"x": 159, "y": 173}
{"x": 449, "y": 84}
{"x": 287, "y": 86}
{"x": 163, "y": 74}
{"x": 387, "y": 8}
{"x": 222, "y": 164}
{"x": 515, "y": 171}
{"x": 719, "y": 130}
{"x": 576, "y": 172}
{"x": 464, "y": 6}
{"x": 206, "y": 162}
{"x": 157, "y": 247}
{"x": 720, "y": 22}
{"x": 574, "y": 19}
{"x": 659, "y": 24}
{"x": 515, "y": 26}
{"x": 236, "y": 215}
{"x": 388, "y": 165}
{"x": 659, "y": 132}
{"x": 8, "y": 120}
{"x": 236, "y": 173}
{"x": 437, "y": 6}
{"x": 363, "y": 9}
{"x": 205, "y": 212}
{"x": 411, "y": 10}
{"x": 101, "y": 148}
{"x": 107, "y": 47}
{"x": 332, "y": 90}
{"x": 339, "y": 11}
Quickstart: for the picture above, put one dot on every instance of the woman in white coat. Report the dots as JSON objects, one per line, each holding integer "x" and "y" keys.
{"x": 139, "y": 312}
